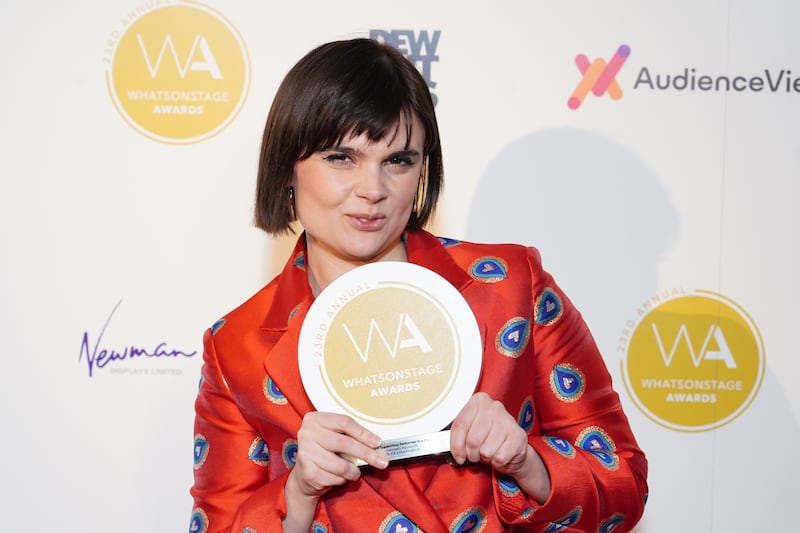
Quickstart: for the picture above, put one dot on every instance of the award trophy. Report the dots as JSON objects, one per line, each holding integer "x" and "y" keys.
{"x": 395, "y": 346}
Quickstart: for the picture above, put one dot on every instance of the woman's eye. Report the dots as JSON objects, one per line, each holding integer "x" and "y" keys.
{"x": 401, "y": 161}
{"x": 337, "y": 158}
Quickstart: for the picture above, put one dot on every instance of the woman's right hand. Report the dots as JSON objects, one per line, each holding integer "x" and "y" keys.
{"x": 325, "y": 442}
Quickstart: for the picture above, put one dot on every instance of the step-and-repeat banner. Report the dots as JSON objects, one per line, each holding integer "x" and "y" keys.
{"x": 648, "y": 149}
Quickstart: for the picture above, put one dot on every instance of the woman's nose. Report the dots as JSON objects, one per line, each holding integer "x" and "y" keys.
{"x": 370, "y": 183}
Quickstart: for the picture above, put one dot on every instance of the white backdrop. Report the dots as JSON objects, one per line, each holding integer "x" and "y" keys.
{"x": 119, "y": 238}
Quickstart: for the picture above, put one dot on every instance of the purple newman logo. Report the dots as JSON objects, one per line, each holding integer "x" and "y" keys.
{"x": 98, "y": 356}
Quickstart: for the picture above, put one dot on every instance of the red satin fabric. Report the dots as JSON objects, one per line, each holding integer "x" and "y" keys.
{"x": 554, "y": 381}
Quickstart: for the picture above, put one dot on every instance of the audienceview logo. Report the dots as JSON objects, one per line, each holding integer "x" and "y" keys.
{"x": 694, "y": 361}
{"x": 600, "y": 77}
{"x": 178, "y": 72}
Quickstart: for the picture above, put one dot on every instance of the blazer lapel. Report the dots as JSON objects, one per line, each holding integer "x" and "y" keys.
{"x": 282, "y": 368}
{"x": 280, "y": 332}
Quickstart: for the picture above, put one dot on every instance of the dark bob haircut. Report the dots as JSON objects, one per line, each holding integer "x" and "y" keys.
{"x": 358, "y": 87}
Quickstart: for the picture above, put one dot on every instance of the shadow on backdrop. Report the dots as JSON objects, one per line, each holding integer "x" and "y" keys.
{"x": 601, "y": 219}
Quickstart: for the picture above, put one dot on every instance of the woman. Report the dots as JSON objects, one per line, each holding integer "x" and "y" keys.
{"x": 351, "y": 151}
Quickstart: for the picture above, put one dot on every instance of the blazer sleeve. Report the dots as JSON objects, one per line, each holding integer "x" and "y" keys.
{"x": 231, "y": 490}
{"x": 598, "y": 472}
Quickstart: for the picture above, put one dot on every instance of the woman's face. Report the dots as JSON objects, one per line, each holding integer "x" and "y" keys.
{"x": 354, "y": 200}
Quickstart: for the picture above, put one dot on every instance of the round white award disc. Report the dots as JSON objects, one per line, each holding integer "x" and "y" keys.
{"x": 392, "y": 344}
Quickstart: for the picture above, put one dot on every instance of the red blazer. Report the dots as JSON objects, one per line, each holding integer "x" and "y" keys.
{"x": 539, "y": 359}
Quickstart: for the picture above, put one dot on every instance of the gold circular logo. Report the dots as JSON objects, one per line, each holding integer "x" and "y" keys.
{"x": 694, "y": 362}
{"x": 179, "y": 73}
{"x": 393, "y": 345}
{"x": 391, "y": 362}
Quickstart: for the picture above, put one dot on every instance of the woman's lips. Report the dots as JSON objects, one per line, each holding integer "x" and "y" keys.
{"x": 367, "y": 222}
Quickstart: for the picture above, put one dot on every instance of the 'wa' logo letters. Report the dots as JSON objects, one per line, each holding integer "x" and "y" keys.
{"x": 415, "y": 338}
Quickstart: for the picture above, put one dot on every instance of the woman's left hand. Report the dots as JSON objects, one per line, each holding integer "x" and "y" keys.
{"x": 485, "y": 432}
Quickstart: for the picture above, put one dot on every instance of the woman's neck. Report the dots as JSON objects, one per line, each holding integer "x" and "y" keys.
{"x": 323, "y": 268}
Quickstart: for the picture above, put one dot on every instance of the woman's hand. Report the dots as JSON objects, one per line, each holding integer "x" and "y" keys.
{"x": 485, "y": 432}
{"x": 323, "y": 442}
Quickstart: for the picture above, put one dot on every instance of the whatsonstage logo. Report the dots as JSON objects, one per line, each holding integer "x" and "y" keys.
{"x": 372, "y": 361}
{"x": 693, "y": 361}
{"x": 601, "y": 78}
{"x": 393, "y": 345}
{"x": 418, "y": 46}
{"x": 97, "y": 355}
{"x": 178, "y": 72}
